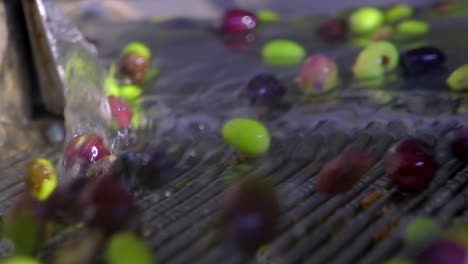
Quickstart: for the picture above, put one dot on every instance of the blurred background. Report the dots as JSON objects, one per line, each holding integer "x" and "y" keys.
{"x": 137, "y": 9}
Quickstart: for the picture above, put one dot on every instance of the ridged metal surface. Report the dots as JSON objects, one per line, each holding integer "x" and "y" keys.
{"x": 314, "y": 228}
{"x": 179, "y": 218}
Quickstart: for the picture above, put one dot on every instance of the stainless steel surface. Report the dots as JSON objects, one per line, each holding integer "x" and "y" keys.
{"x": 20, "y": 137}
{"x": 42, "y": 44}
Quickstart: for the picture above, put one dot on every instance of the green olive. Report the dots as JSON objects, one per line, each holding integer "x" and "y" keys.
{"x": 399, "y": 261}
{"x": 267, "y": 16}
{"x": 130, "y": 92}
{"x": 398, "y": 12}
{"x": 421, "y": 229}
{"x": 283, "y": 52}
{"x": 412, "y": 27}
{"x": 458, "y": 80}
{"x": 246, "y": 135}
{"x": 375, "y": 60}
{"x": 125, "y": 247}
{"x": 139, "y": 48}
{"x": 20, "y": 260}
{"x": 41, "y": 178}
{"x": 111, "y": 86}
{"x": 365, "y": 20}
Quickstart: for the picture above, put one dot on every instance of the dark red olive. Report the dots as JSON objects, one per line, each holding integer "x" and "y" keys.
{"x": 84, "y": 150}
{"x": 343, "y": 172}
{"x": 333, "y": 30}
{"x": 442, "y": 252}
{"x": 411, "y": 165}
{"x": 121, "y": 111}
{"x": 238, "y": 21}
{"x": 64, "y": 202}
{"x": 249, "y": 213}
{"x": 108, "y": 206}
{"x": 459, "y": 144}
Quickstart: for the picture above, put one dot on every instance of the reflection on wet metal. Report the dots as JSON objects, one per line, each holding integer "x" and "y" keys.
{"x": 17, "y": 134}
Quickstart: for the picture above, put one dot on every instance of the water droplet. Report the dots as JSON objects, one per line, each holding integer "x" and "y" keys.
{"x": 55, "y": 133}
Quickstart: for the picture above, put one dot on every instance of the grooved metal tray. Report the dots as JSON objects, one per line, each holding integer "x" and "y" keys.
{"x": 199, "y": 88}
